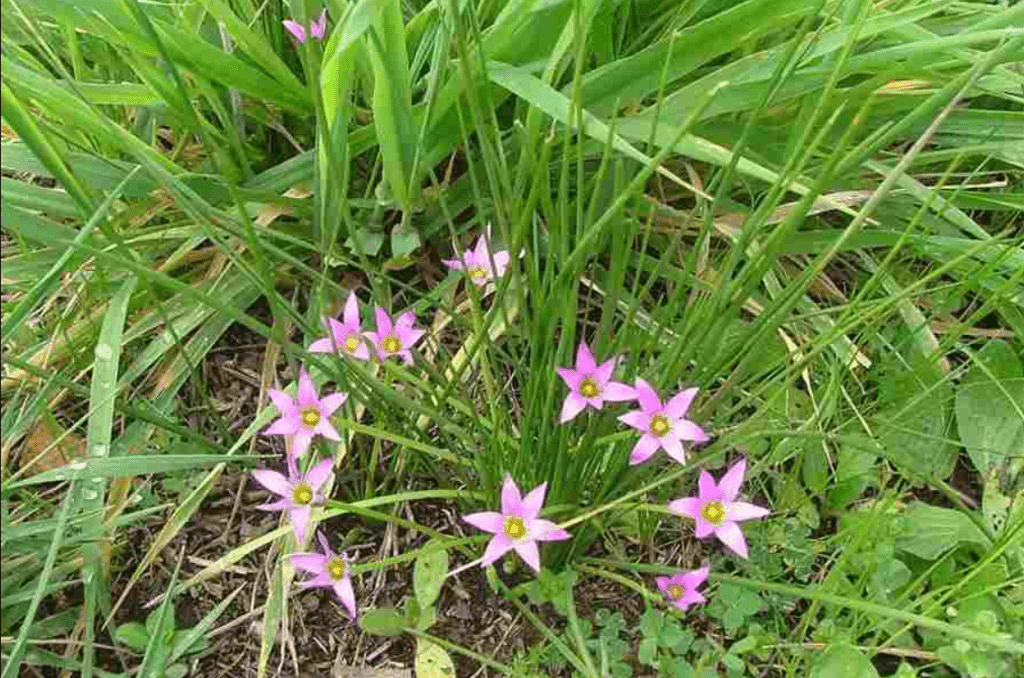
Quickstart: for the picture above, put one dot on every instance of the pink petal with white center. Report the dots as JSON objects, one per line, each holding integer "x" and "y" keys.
{"x": 496, "y": 548}
{"x": 319, "y": 474}
{"x": 384, "y": 324}
{"x": 703, "y": 527}
{"x": 545, "y": 530}
{"x": 596, "y": 403}
{"x": 343, "y": 589}
{"x": 488, "y": 521}
{"x": 511, "y": 499}
{"x": 687, "y": 430}
{"x": 299, "y": 517}
{"x": 741, "y": 510}
{"x": 674, "y": 447}
{"x": 313, "y": 563}
{"x": 362, "y": 352}
{"x": 300, "y": 442}
{"x": 306, "y": 393}
{"x": 731, "y": 535}
{"x": 351, "y": 313}
{"x": 332, "y": 402}
{"x": 730, "y": 483}
{"x": 572, "y": 378}
{"x": 282, "y": 401}
{"x": 687, "y": 506}
{"x": 585, "y": 362}
{"x": 637, "y": 419}
{"x": 617, "y": 392}
{"x": 285, "y": 426}
{"x": 644, "y": 448}
{"x": 707, "y": 489}
{"x": 529, "y": 552}
{"x": 532, "y": 502}
{"x": 326, "y": 429}
{"x": 573, "y": 405}
{"x": 295, "y": 29}
{"x": 273, "y": 481}
{"x": 677, "y": 406}
{"x": 647, "y": 396}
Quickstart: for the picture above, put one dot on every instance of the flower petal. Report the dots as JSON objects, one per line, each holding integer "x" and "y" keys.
{"x": 511, "y": 499}
{"x": 312, "y": 563}
{"x": 318, "y": 27}
{"x": 343, "y": 589}
{"x": 687, "y": 430}
{"x": 617, "y": 392}
{"x": 545, "y": 530}
{"x": 273, "y": 481}
{"x": 362, "y": 352}
{"x": 327, "y": 430}
{"x": 703, "y": 527}
{"x": 501, "y": 260}
{"x": 663, "y": 583}
{"x": 644, "y": 448}
{"x": 324, "y": 345}
{"x": 295, "y": 29}
{"x": 585, "y": 362}
{"x": 532, "y": 502}
{"x": 691, "y": 580}
{"x": 637, "y": 419}
{"x": 677, "y": 406}
{"x": 571, "y": 377}
{"x": 496, "y": 548}
{"x": 647, "y": 396}
{"x": 409, "y": 335}
{"x": 282, "y": 401}
{"x": 573, "y": 405}
{"x": 384, "y": 324}
{"x": 730, "y": 483}
{"x": 279, "y": 505}
{"x": 306, "y": 394}
{"x": 674, "y": 447}
{"x": 708, "y": 490}
{"x": 741, "y": 510}
{"x": 528, "y": 551}
{"x": 731, "y": 535}
{"x": 299, "y": 517}
{"x": 328, "y": 404}
{"x": 687, "y": 506}
{"x": 285, "y": 426}
{"x": 406, "y": 357}
{"x": 454, "y": 264}
{"x": 319, "y": 474}
{"x": 300, "y": 442}
{"x": 604, "y": 371}
{"x": 481, "y": 255}
{"x": 351, "y": 313}
{"x": 488, "y": 521}
{"x": 407, "y": 319}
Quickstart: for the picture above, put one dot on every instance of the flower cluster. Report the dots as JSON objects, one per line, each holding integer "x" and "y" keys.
{"x": 317, "y": 28}
{"x": 392, "y": 338}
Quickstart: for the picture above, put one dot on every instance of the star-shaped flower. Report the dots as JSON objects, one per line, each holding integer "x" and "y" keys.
{"x": 517, "y": 526}
{"x": 477, "y": 262}
{"x": 681, "y": 588}
{"x": 663, "y": 426}
{"x": 330, "y": 570}
{"x": 395, "y": 338}
{"x": 306, "y": 416}
{"x": 716, "y": 509}
{"x": 299, "y": 493}
{"x": 590, "y": 384}
{"x": 345, "y": 337}
{"x": 317, "y": 28}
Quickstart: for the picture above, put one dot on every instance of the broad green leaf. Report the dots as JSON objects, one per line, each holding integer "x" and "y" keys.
{"x": 843, "y": 661}
{"x": 990, "y": 407}
{"x": 382, "y": 621}
{"x": 133, "y": 634}
{"x": 432, "y": 661}
{"x": 429, "y": 573}
{"x": 930, "y": 531}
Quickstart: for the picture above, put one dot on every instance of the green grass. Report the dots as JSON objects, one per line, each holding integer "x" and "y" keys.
{"x": 810, "y": 209}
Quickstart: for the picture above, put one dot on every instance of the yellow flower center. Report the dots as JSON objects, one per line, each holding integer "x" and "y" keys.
{"x": 392, "y": 344}
{"x": 302, "y": 494}
{"x": 352, "y": 343}
{"x": 589, "y": 389}
{"x": 310, "y": 416}
{"x": 660, "y": 425}
{"x": 515, "y": 528}
{"x": 713, "y": 512}
{"x": 477, "y": 272}
{"x": 336, "y": 568}
{"x": 675, "y": 591}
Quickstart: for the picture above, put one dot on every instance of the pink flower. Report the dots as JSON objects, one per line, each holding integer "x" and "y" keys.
{"x": 477, "y": 263}
{"x": 331, "y": 571}
{"x": 662, "y": 426}
{"x": 395, "y": 339}
{"x": 590, "y": 385}
{"x": 716, "y": 509}
{"x": 298, "y": 492}
{"x": 345, "y": 337}
{"x": 681, "y": 588}
{"x": 305, "y": 417}
{"x": 517, "y": 526}
{"x": 316, "y": 28}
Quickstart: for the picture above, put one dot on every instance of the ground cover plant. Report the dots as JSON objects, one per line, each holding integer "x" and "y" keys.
{"x": 529, "y": 337}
